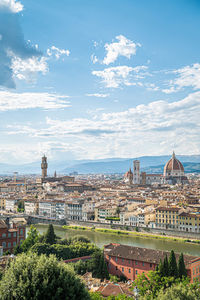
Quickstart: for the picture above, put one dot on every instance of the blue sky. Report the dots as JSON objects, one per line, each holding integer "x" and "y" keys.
{"x": 97, "y": 79}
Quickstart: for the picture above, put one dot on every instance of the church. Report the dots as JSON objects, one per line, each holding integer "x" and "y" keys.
{"x": 173, "y": 174}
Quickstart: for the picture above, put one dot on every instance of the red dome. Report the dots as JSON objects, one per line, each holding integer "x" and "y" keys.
{"x": 173, "y": 164}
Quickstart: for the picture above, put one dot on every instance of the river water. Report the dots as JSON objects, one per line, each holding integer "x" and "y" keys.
{"x": 101, "y": 239}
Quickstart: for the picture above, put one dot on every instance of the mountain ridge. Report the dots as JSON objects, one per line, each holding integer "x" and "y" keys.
{"x": 150, "y": 164}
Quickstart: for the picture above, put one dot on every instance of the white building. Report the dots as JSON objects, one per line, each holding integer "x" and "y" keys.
{"x": 11, "y": 205}
{"x": 74, "y": 210}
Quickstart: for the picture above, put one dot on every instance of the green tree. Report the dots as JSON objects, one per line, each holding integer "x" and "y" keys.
{"x": 180, "y": 292}
{"x": 166, "y": 266}
{"x": 150, "y": 286}
{"x": 181, "y": 267}
{"x": 50, "y": 237}
{"x": 39, "y": 277}
{"x": 32, "y": 238}
{"x": 161, "y": 268}
{"x": 99, "y": 266}
{"x": 173, "y": 270}
{"x": 80, "y": 238}
{"x": 117, "y": 211}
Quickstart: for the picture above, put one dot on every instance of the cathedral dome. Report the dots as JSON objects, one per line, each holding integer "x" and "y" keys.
{"x": 173, "y": 167}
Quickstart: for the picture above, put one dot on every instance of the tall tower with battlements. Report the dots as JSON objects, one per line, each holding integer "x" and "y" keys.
{"x": 136, "y": 172}
{"x": 44, "y": 166}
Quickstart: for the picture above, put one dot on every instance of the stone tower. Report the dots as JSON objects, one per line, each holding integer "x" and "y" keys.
{"x": 130, "y": 177}
{"x": 136, "y": 172}
{"x": 44, "y": 166}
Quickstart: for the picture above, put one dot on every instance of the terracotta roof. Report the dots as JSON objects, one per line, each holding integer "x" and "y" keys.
{"x": 174, "y": 164}
{"x": 114, "y": 289}
{"x": 144, "y": 254}
{"x": 3, "y": 224}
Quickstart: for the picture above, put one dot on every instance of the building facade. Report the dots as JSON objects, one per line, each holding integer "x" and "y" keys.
{"x": 133, "y": 261}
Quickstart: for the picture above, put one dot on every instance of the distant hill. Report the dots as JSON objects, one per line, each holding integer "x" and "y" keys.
{"x": 149, "y": 164}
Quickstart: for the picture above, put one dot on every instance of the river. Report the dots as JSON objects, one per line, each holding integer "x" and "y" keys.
{"x": 101, "y": 239}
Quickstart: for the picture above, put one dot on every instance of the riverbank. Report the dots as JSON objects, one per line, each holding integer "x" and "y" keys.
{"x": 131, "y": 233}
{"x": 101, "y": 238}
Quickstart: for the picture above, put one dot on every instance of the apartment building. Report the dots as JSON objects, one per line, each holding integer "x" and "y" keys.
{"x": 12, "y": 233}
{"x": 133, "y": 261}
{"x": 167, "y": 217}
{"x": 52, "y": 208}
{"x": 74, "y": 210}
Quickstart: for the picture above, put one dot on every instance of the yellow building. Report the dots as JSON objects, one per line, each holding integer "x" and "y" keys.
{"x": 167, "y": 217}
{"x": 2, "y": 203}
{"x": 189, "y": 222}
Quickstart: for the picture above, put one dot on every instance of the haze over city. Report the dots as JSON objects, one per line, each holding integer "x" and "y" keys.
{"x": 98, "y": 79}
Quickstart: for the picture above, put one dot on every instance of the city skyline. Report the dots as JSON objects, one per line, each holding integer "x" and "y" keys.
{"x": 92, "y": 79}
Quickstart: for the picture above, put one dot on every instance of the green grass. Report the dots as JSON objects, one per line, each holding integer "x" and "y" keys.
{"x": 131, "y": 233}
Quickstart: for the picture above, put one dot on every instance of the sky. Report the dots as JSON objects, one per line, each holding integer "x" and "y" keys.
{"x": 94, "y": 79}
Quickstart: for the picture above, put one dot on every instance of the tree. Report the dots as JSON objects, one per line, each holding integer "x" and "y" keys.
{"x": 161, "y": 268}
{"x": 50, "y": 237}
{"x": 117, "y": 211}
{"x": 180, "y": 292}
{"x": 150, "y": 286}
{"x": 181, "y": 267}
{"x": 40, "y": 277}
{"x": 166, "y": 266}
{"x": 80, "y": 238}
{"x": 173, "y": 270}
{"x": 99, "y": 266}
{"x": 32, "y": 238}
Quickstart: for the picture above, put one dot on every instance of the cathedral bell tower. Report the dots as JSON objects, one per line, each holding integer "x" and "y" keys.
{"x": 44, "y": 166}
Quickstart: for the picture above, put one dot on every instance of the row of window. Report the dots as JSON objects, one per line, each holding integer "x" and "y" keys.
{"x": 9, "y": 245}
{"x": 197, "y": 269}
{"x": 9, "y": 235}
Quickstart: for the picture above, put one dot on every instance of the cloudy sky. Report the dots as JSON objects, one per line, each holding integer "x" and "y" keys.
{"x": 90, "y": 79}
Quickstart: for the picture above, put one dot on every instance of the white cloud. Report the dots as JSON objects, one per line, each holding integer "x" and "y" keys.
{"x": 57, "y": 53}
{"x": 27, "y": 69}
{"x": 188, "y": 76}
{"x": 12, "y": 5}
{"x": 15, "y": 101}
{"x": 98, "y": 95}
{"x": 94, "y": 59}
{"x": 123, "y": 47}
{"x": 113, "y": 77}
{"x": 161, "y": 125}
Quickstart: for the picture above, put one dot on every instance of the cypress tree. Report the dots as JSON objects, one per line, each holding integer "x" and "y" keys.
{"x": 173, "y": 270}
{"x": 166, "y": 266}
{"x": 181, "y": 267}
{"x": 161, "y": 268}
{"x": 50, "y": 237}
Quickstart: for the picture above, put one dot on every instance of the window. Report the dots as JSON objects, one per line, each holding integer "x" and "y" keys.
{"x": 122, "y": 269}
{"x": 9, "y": 245}
{"x": 3, "y": 235}
{"x": 136, "y": 272}
{"x": 136, "y": 262}
{"x": 115, "y": 258}
{"x": 129, "y": 270}
{"x": 122, "y": 259}
{"x": 143, "y": 264}
{"x": 14, "y": 244}
{"x": 9, "y": 235}
{"x": 21, "y": 231}
{"x": 4, "y": 244}
{"x": 150, "y": 265}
